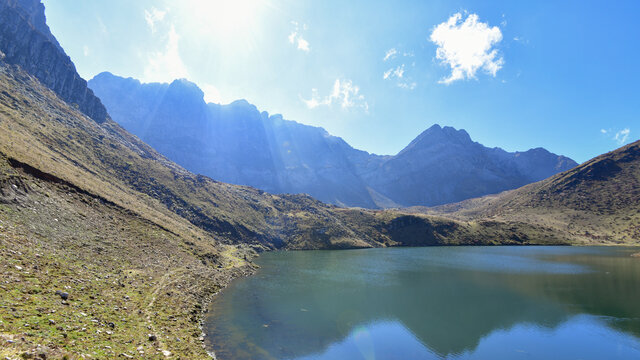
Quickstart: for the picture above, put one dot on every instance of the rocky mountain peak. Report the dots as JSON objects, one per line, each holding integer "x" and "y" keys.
{"x": 239, "y": 144}
{"x": 439, "y": 136}
{"x": 23, "y": 33}
{"x": 185, "y": 90}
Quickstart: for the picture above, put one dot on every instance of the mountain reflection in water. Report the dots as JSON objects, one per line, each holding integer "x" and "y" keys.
{"x": 432, "y": 303}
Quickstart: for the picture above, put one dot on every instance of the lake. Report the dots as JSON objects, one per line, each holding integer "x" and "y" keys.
{"x": 433, "y": 303}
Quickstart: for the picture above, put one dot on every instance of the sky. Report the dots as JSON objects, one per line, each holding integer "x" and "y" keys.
{"x": 562, "y": 75}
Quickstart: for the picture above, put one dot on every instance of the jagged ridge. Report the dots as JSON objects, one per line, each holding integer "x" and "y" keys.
{"x": 25, "y": 40}
{"x": 237, "y": 143}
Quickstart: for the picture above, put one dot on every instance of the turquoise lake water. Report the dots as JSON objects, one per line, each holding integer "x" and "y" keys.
{"x": 433, "y": 303}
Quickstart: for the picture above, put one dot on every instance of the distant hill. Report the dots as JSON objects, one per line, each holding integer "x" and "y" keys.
{"x": 597, "y": 202}
{"x": 237, "y": 143}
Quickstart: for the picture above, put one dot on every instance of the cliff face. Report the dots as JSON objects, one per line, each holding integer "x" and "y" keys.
{"x": 444, "y": 165}
{"x": 25, "y": 40}
{"x": 237, "y": 143}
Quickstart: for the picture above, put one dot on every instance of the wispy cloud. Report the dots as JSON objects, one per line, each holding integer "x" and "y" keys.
{"x": 153, "y": 16}
{"x": 166, "y": 65}
{"x": 409, "y": 85}
{"x": 397, "y": 72}
{"x": 620, "y": 137}
{"x": 390, "y": 54}
{"x": 103, "y": 28}
{"x": 344, "y": 94}
{"x": 297, "y": 39}
{"x": 467, "y": 46}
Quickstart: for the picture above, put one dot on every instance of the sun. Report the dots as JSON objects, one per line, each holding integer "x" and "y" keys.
{"x": 225, "y": 19}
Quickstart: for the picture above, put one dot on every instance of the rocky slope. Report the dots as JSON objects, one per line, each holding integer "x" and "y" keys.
{"x": 25, "y": 40}
{"x": 238, "y": 144}
{"x": 597, "y": 202}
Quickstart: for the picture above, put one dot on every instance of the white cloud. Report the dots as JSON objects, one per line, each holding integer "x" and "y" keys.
{"x": 390, "y": 54}
{"x": 303, "y": 44}
{"x": 397, "y": 73}
{"x": 154, "y": 16}
{"x": 408, "y": 85}
{"x": 622, "y": 136}
{"x": 166, "y": 65}
{"x": 296, "y": 37}
{"x": 344, "y": 93}
{"x": 467, "y": 46}
{"x": 85, "y": 50}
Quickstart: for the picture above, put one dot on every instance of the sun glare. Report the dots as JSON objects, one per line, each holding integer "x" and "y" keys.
{"x": 225, "y": 19}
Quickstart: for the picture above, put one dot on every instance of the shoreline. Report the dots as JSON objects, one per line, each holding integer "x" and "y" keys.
{"x": 207, "y": 344}
{"x": 249, "y": 268}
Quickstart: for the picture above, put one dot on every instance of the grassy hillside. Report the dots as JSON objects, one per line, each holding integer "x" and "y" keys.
{"x": 126, "y": 277}
{"x": 140, "y": 244}
{"x": 597, "y": 202}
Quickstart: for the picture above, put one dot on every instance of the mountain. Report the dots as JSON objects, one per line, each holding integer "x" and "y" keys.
{"x": 597, "y": 202}
{"x": 237, "y": 143}
{"x": 25, "y": 40}
{"x": 110, "y": 249}
{"x": 234, "y": 143}
{"x": 443, "y": 165}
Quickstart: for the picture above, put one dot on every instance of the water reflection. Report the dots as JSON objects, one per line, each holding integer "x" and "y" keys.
{"x": 431, "y": 303}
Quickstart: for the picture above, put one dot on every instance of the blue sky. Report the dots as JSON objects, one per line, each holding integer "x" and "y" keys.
{"x": 514, "y": 74}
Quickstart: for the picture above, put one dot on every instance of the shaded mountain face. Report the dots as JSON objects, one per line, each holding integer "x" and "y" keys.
{"x": 25, "y": 40}
{"x": 236, "y": 143}
{"x": 443, "y": 165}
